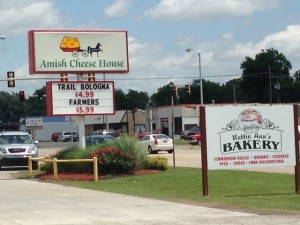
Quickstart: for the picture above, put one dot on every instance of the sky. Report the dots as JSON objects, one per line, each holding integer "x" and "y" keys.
{"x": 222, "y": 33}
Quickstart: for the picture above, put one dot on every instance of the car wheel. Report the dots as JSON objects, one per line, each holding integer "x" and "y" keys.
{"x": 198, "y": 142}
{"x": 67, "y": 140}
{"x": 150, "y": 149}
{"x": 170, "y": 151}
{"x": 35, "y": 165}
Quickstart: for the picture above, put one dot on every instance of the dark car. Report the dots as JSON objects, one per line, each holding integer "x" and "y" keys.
{"x": 187, "y": 133}
{"x": 98, "y": 139}
{"x": 55, "y": 136}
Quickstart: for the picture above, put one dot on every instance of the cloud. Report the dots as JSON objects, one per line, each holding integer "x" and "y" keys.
{"x": 286, "y": 41}
{"x": 191, "y": 9}
{"x": 118, "y": 9}
{"x": 18, "y": 17}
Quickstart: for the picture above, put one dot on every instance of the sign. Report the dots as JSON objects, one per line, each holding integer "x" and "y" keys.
{"x": 250, "y": 136}
{"x": 78, "y": 52}
{"x": 34, "y": 122}
{"x": 80, "y": 98}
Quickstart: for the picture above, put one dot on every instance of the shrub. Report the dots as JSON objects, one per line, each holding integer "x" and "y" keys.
{"x": 113, "y": 160}
{"x": 130, "y": 145}
{"x": 69, "y": 153}
{"x": 157, "y": 163}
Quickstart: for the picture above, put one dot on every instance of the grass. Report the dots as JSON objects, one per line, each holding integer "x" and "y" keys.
{"x": 242, "y": 189}
{"x": 181, "y": 142}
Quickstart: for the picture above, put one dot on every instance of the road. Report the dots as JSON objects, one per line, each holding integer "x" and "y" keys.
{"x": 27, "y": 202}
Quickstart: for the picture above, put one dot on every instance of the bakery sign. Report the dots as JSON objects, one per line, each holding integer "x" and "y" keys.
{"x": 80, "y": 98}
{"x": 250, "y": 136}
{"x": 54, "y": 52}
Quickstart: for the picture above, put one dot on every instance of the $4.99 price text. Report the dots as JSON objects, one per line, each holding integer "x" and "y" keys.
{"x": 84, "y": 94}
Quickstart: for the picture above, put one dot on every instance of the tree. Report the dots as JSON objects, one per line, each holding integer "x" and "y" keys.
{"x": 34, "y": 106}
{"x": 260, "y": 75}
{"x": 121, "y": 100}
{"x": 162, "y": 96}
{"x": 11, "y": 109}
{"x": 138, "y": 100}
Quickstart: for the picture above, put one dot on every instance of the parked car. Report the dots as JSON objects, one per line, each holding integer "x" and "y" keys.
{"x": 67, "y": 136}
{"x": 98, "y": 139}
{"x": 194, "y": 130}
{"x": 195, "y": 139}
{"x": 157, "y": 142}
{"x": 142, "y": 134}
{"x": 16, "y": 147}
{"x": 111, "y": 132}
{"x": 55, "y": 136}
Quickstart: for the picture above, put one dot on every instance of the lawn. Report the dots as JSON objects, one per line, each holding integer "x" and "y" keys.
{"x": 243, "y": 189}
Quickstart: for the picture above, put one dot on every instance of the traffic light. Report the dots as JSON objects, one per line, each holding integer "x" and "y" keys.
{"x": 11, "y": 79}
{"x": 92, "y": 77}
{"x": 188, "y": 88}
{"x": 22, "y": 96}
{"x": 40, "y": 95}
{"x": 64, "y": 77}
{"x": 175, "y": 90}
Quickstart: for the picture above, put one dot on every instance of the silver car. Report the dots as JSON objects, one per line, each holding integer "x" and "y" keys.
{"x": 157, "y": 142}
{"x": 15, "y": 148}
{"x": 67, "y": 136}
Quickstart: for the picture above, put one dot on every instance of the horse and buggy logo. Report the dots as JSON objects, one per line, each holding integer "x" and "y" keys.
{"x": 72, "y": 44}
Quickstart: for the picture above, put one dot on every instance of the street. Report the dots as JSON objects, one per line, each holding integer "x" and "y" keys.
{"x": 31, "y": 202}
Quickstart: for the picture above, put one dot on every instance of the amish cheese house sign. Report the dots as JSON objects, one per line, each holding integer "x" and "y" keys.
{"x": 80, "y": 98}
{"x": 78, "y": 51}
{"x": 250, "y": 136}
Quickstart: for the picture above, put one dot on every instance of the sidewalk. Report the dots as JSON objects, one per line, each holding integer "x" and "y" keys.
{"x": 28, "y": 202}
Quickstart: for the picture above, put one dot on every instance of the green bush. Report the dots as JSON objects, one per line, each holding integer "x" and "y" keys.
{"x": 129, "y": 145}
{"x": 46, "y": 167}
{"x": 157, "y": 163}
{"x": 114, "y": 161}
{"x": 69, "y": 153}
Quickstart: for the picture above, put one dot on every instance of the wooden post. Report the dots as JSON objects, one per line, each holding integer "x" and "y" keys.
{"x": 30, "y": 166}
{"x": 55, "y": 169}
{"x": 95, "y": 169}
{"x": 204, "y": 151}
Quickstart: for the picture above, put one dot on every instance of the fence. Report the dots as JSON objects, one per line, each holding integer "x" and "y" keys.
{"x": 55, "y": 161}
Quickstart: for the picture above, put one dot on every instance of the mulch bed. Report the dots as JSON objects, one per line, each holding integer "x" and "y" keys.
{"x": 87, "y": 176}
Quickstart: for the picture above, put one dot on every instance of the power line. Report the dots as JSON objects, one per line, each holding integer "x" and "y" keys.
{"x": 54, "y": 77}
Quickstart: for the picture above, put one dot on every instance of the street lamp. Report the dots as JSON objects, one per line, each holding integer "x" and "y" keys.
{"x": 200, "y": 76}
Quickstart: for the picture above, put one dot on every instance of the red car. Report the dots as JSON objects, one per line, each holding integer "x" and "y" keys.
{"x": 195, "y": 139}
{"x": 142, "y": 134}
{"x": 55, "y": 136}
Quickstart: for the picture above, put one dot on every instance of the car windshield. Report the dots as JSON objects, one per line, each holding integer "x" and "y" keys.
{"x": 15, "y": 139}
